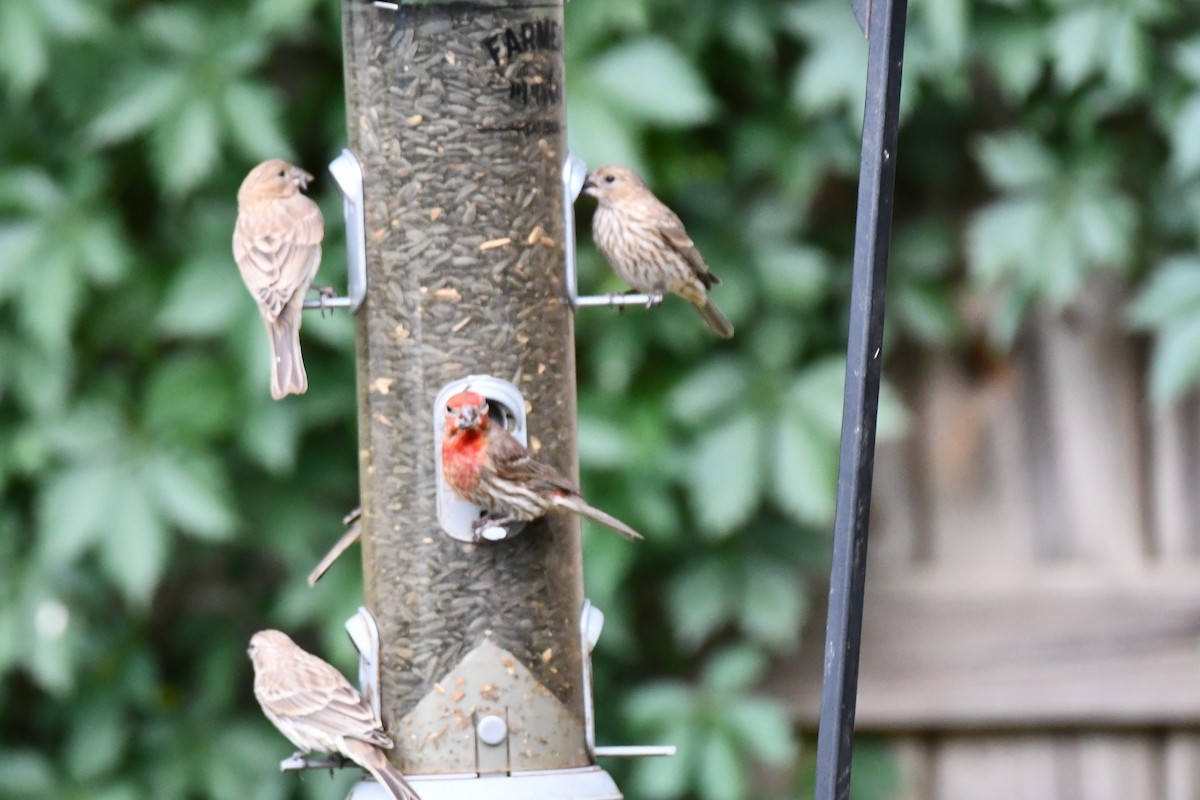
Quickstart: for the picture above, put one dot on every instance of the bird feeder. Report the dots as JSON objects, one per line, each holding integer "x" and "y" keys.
{"x": 455, "y": 115}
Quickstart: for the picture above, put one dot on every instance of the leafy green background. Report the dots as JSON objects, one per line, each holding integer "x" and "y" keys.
{"x": 158, "y": 507}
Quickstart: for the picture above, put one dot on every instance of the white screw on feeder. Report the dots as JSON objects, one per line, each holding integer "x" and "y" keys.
{"x": 491, "y": 730}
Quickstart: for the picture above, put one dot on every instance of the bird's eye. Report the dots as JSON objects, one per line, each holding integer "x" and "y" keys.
{"x": 609, "y": 178}
{"x": 282, "y": 174}
{"x": 449, "y": 409}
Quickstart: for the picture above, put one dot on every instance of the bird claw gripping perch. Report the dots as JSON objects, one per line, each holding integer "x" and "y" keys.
{"x": 488, "y": 528}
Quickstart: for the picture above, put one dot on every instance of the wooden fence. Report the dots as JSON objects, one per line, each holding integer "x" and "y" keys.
{"x": 1032, "y": 628}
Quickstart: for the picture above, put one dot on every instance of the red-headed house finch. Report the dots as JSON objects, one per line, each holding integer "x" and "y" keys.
{"x": 484, "y": 464}
{"x": 277, "y": 246}
{"x": 646, "y": 244}
{"x": 316, "y": 708}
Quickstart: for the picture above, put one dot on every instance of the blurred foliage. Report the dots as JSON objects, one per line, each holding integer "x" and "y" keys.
{"x": 158, "y": 507}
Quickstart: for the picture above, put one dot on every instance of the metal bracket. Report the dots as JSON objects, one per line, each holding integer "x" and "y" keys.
{"x": 591, "y": 622}
{"x": 506, "y": 406}
{"x": 364, "y": 635}
{"x": 862, "y": 13}
{"x": 574, "y": 173}
{"x": 348, "y": 177}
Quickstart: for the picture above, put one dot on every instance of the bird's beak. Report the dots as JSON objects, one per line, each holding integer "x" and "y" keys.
{"x": 466, "y": 418}
{"x": 589, "y": 187}
{"x": 303, "y": 179}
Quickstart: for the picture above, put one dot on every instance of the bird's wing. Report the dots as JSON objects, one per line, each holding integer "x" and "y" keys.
{"x": 513, "y": 461}
{"x": 278, "y": 250}
{"x": 673, "y": 233}
{"x": 311, "y": 690}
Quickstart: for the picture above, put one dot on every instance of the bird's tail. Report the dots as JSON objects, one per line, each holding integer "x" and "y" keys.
{"x": 376, "y": 763}
{"x": 287, "y": 363}
{"x": 715, "y": 320}
{"x": 573, "y": 502}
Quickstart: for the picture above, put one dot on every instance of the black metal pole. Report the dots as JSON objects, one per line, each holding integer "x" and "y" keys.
{"x": 877, "y": 177}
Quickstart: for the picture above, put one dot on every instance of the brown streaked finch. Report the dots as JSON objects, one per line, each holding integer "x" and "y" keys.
{"x": 646, "y": 244}
{"x": 485, "y": 464}
{"x": 277, "y": 246}
{"x": 316, "y": 708}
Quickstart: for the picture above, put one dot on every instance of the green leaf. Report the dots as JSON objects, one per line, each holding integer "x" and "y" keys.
{"x": 796, "y": 276}
{"x": 763, "y": 728}
{"x": 51, "y": 300}
{"x": 1176, "y": 364}
{"x": 253, "y": 114}
{"x": 928, "y": 312}
{"x": 190, "y": 396}
{"x": 1105, "y": 224}
{"x": 721, "y": 775}
{"x": 1187, "y": 58}
{"x": 773, "y": 603}
{"x": 893, "y": 419}
{"x": 175, "y": 26}
{"x": 650, "y": 705}
{"x": 877, "y": 775}
{"x": 74, "y": 507}
{"x": 725, "y": 474}
{"x": 185, "y": 146}
{"x": 1078, "y": 43}
{"x": 26, "y": 773}
{"x": 816, "y": 395}
{"x": 712, "y": 388}
{"x": 831, "y": 76}
{"x": 1014, "y": 161}
{"x": 204, "y": 299}
{"x": 1016, "y": 51}
{"x": 1185, "y": 138}
{"x": 651, "y": 80}
{"x": 23, "y": 56}
{"x": 948, "y": 23}
{"x": 105, "y": 253}
{"x": 19, "y": 241}
{"x": 1127, "y": 53}
{"x": 96, "y": 744}
{"x": 805, "y": 475}
{"x": 1172, "y": 291}
{"x": 73, "y": 19}
{"x": 283, "y": 14}
{"x": 735, "y": 669}
{"x": 121, "y": 791}
{"x": 269, "y": 434}
{"x": 139, "y": 103}
{"x": 700, "y": 599}
{"x": 135, "y": 546}
{"x": 667, "y": 778}
{"x": 603, "y": 445}
{"x": 1006, "y": 236}
{"x": 596, "y": 133}
{"x": 191, "y": 493}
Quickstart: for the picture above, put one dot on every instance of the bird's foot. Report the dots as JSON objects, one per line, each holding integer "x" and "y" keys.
{"x": 325, "y": 293}
{"x": 493, "y": 529}
{"x": 653, "y": 299}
